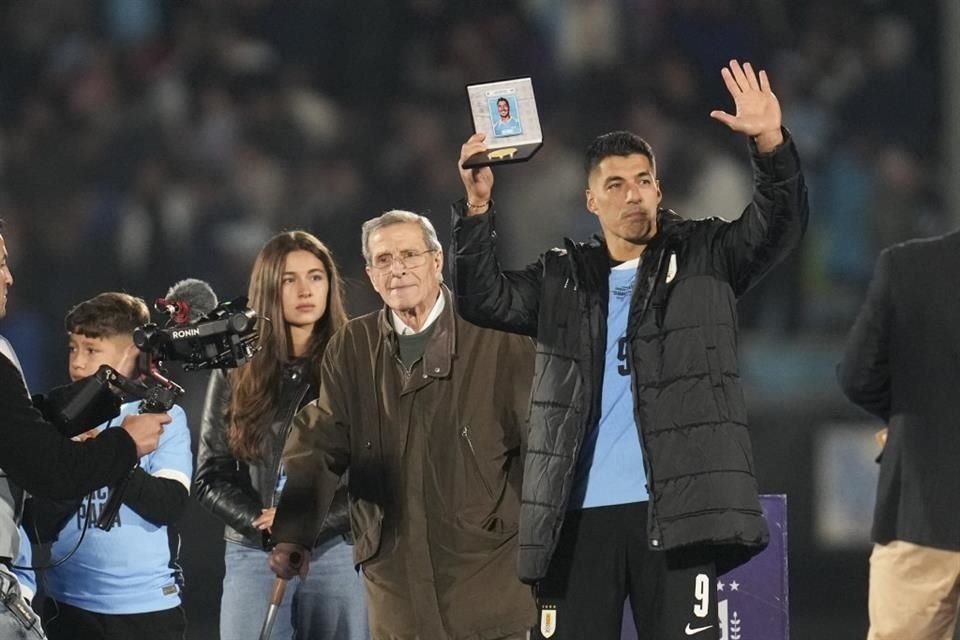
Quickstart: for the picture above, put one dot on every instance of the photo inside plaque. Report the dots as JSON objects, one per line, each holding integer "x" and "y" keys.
{"x": 506, "y": 112}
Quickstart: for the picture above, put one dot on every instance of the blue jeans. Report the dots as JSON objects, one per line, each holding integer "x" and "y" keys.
{"x": 22, "y": 625}
{"x": 330, "y": 604}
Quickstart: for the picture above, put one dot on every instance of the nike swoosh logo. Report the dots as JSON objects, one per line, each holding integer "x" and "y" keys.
{"x": 692, "y": 632}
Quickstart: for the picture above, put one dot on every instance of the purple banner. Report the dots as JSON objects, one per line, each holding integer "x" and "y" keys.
{"x": 753, "y": 600}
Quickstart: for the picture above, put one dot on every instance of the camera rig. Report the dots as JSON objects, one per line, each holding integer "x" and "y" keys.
{"x": 224, "y": 338}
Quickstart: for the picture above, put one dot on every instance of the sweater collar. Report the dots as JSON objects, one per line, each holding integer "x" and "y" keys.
{"x": 438, "y": 356}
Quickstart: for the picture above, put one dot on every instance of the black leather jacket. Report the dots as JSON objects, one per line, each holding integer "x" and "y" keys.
{"x": 235, "y": 491}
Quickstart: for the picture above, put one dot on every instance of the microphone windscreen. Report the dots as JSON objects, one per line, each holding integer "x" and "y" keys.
{"x": 196, "y": 294}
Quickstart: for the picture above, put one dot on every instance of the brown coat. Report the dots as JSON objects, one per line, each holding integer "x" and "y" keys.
{"x": 435, "y": 459}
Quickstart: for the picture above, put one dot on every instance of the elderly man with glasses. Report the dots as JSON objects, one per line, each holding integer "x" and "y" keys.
{"x": 427, "y": 413}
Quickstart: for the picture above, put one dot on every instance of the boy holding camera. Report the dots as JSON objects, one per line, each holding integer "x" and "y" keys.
{"x": 121, "y": 582}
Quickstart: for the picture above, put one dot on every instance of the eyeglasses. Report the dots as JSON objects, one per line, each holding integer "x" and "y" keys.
{"x": 408, "y": 259}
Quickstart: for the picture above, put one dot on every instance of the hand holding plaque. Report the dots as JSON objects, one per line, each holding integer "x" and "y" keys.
{"x": 506, "y": 113}
{"x": 477, "y": 180}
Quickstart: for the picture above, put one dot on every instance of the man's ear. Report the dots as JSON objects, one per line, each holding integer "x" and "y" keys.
{"x": 373, "y": 280}
{"x": 590, "y": 201}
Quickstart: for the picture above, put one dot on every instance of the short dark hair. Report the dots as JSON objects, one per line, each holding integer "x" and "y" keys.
{"x": 617, "y": 143}
{"x": 504, "y": 100}
{"x": 106, "y": 315}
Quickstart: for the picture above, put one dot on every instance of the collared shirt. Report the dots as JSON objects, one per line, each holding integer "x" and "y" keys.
{"x": 403, "y": 329}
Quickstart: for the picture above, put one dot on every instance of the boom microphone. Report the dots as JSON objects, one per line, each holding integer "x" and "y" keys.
{"x": 188, "y": 301}
{"x": 201, "y": 333}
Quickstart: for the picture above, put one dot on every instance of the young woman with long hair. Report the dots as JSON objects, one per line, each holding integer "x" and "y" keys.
{"x": 295, "y": 284}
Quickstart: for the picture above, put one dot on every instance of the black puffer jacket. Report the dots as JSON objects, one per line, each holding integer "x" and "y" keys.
{"x": 682, "y": 348}
{"x": 235, "y": 491}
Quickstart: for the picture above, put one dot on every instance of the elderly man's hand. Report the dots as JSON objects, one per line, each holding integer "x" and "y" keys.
{"x": 289, "y": 560}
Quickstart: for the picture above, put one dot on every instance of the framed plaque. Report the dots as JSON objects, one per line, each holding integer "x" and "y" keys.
{"x": 506, "y": 112}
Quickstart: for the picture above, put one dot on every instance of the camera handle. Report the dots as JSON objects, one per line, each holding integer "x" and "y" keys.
{"x": 114, "y": 501}
{"x": 154, "y": 399}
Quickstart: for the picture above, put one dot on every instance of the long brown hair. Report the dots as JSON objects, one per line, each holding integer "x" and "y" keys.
{"x": 255, "y": 386}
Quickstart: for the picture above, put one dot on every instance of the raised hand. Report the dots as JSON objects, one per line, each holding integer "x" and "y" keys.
{"x": 757, "y": 109}
{"x": 478, "y": 182}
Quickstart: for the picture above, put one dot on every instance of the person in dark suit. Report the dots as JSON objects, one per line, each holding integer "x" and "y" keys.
{"x": 902, "y": 364}
{"x": 36, "y": 458}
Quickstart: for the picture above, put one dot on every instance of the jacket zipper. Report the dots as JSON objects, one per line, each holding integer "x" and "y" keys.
{"x": 291, "y": 413}
{"x": 277, "y": 455}
{"x": 653, "y": 527}
{"x": 465, "y": 434}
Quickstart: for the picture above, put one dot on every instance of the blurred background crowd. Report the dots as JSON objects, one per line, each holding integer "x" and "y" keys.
{"x": 144, "y": 141}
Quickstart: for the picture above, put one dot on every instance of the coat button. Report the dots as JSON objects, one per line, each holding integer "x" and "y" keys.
{"x": 368, "y": 445}
{"x": 436, "y": 370}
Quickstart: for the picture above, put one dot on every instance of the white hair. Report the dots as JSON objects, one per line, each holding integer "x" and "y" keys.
{"x": 399, "y": 216}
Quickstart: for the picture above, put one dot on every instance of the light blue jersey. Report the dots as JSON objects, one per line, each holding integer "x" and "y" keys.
{"x": 503, "y": 129}
{"x": 610, "y": 466}
{"x": 128, "y": 569}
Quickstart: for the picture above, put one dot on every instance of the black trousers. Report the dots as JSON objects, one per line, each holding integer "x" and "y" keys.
{"x": 601, "y": 558}
{"x": 63, "y": 622}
